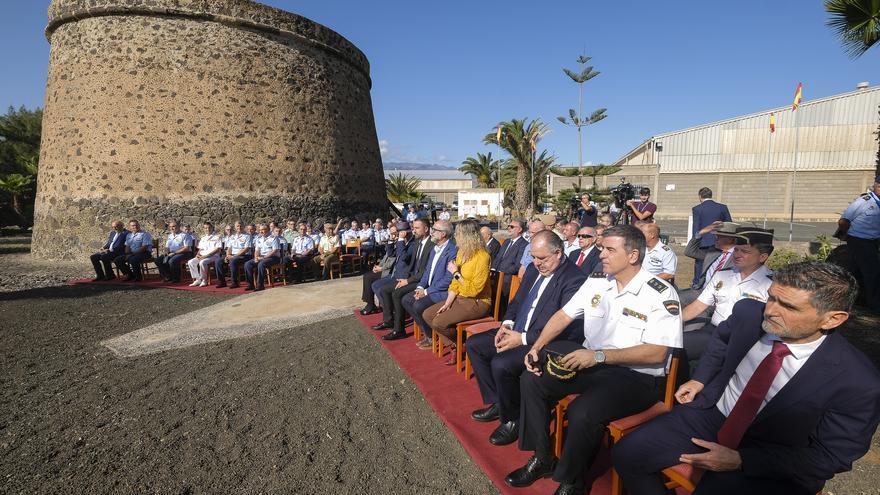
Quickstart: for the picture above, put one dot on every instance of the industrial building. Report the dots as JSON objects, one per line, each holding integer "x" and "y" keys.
{"x": 439, "y": 185}
{"x": 753, "y": 170}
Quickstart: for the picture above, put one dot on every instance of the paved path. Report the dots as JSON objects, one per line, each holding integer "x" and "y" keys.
{"x": 251, "y": 314}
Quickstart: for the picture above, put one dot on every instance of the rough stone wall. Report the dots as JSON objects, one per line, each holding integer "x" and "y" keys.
{"x": 199, "y": 110}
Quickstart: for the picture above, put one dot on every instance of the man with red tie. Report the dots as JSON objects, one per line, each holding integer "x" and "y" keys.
{"x": 587, "y": 257}
{"x": 779, "y": 404}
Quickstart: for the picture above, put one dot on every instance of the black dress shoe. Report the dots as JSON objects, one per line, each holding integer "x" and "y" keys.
{"x": 381, "y": 326}
{"x": 530, "y": 473}
{"x": 368, "y": 311}
{"x": 249, "y": 287}
{"x": 505, "y": 434}
{"x": 570, "y": 489}
{"x": 395, "y": 335}
{"x": 487, "y": 414}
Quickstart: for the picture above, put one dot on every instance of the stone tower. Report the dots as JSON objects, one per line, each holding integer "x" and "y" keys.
{"x": 199, "y": 110}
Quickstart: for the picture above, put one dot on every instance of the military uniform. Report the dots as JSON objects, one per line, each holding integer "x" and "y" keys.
{"x": 238, "y": 248}
{"x": 660, "y": 259}
{"x": 863, "y": 241}
{"x": 722, "y": 291}
{"x": 130, "y": 263}
{"x": 268, "y": 248}
{"x": 330, "y": 247}
{"x": 198, "y": 268}
{"x": 169, "y": 263}
{"x": 646, "y": 311}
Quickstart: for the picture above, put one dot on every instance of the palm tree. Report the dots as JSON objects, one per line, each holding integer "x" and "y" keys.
{"x": 856, "y": 23}
{"x": 483, "y": 168}
{"x": 575, "y": 118}
{"x": 402, "y": 188}
{"x": 519, "y": 139}
{"x": 16, "y": 185}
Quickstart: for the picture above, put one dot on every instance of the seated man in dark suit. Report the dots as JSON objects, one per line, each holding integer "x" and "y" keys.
{"x": 507, "y": 262}
{"x": 779, "y": 404}
{"x": 492, "y": 244}
{"x": 391, "y": 295}
{"x": 587, "y": 257}
{"x": 434, "y": 284}
{"x": 498, "y": 356}
{"x": 112, "y": 249}
{"x": 383, "y": 269}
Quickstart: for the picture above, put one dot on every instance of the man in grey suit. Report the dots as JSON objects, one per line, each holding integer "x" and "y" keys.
{"x": 718, "y": 257}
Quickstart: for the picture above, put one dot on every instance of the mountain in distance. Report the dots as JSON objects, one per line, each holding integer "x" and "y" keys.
{"x": 415, "y": 166}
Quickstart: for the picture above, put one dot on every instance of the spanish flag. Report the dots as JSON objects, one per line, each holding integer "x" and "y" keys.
{"x": 797, "y": 97}
{"x": 772, "y": 123}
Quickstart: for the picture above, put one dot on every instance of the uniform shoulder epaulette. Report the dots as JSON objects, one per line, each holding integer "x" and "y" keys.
{"x": 866, "y": 196}
{"x": 656, "y": 284}
{"x": 665, "y": 247}
{"x": 597, "y": 275}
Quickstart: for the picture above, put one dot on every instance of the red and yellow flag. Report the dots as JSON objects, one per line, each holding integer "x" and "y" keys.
{"x": 797, "y": 97}
{"x": 772, "y": 123}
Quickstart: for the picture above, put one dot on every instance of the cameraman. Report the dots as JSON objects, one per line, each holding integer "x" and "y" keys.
{"x": 859, "y": 226}
{"x": 587, "y": 211}
{"x": 641, "y": 210}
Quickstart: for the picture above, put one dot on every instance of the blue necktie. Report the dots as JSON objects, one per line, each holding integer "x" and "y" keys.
{"x": 520, "y": 324}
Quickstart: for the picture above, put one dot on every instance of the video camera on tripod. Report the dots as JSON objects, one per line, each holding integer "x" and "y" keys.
{"x": 622, "y": 193}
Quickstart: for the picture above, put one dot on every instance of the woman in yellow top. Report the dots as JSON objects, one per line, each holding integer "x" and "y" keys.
{"x": 469, "y": 292}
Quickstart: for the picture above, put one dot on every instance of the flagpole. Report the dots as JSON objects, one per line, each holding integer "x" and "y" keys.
{"x": 797, "y": 136}
{"x": 767, "y": 181}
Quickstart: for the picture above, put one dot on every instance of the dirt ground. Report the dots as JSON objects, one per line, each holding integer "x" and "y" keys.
{"x": 319, "y": 409}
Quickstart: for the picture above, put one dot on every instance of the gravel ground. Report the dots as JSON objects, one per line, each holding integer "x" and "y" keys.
{"x": 318, "y": 409}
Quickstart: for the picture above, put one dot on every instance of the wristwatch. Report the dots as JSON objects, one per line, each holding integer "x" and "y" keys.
{"x": 599, "y": 357}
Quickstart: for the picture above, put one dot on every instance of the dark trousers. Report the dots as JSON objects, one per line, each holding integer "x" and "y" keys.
{"x": 607, "y": 392}
{"x": 505, "y": 292}
{"x": 234, "y": 263}
{"x": 498, "y": 373}
{"x": 101, "y": 262}
{"x": 698, "y": 267}
{"x": 130, "y": 264}
{"x": 379, "y": 285}
{"x": 367, "y": 294}
{"x": 865, "y": 266}
{"x": 695, "y": 342}
{"x": 392, "y": 299}
{"x": 260, "y": 267}
{"x": 301, "y": 263}
{"x": 639, "y": 456}
{"x": 169, "y": 265}
{"x": 416, "y": 308}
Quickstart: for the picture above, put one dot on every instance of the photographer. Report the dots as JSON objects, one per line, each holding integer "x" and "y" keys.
{"x": 643, "y": 209}
{"x": 586, "y": 212}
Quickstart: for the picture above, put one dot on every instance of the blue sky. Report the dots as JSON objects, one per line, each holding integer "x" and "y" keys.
{"x": 444, "y": 73}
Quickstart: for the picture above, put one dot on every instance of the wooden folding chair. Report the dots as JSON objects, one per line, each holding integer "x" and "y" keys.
{"x": 353, "y": 259}
{"x": 146, "y": 266}
{"x": 620, "y": 427}
{"x": 468, "y": 329}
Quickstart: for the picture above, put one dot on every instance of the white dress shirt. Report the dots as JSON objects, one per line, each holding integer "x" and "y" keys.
{"x": 544, "y": 281}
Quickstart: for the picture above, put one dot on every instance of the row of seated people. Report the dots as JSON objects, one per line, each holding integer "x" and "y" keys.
{"x": 766, "y": 410}
{"x": 253, "y": 247}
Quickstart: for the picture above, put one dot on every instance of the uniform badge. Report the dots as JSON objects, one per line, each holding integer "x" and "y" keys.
{"x": 753, "y": 296}
{"x": 657, "y": 285}
{"x": 635, "y": 314}
{"x": 672, "y": 306}
{"x": 597, "y": 275}
{"x": 719, "y": 285}
{"x": 594, "y": 302}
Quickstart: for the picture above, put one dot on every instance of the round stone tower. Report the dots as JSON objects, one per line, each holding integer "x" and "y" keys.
{"x": 198, "y": 110}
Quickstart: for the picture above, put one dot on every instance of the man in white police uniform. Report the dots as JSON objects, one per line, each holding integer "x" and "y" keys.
{"x": 659, "y": 260}
{"x": 178, "y": 248}
{"x": 209, "y": 252}
{"x": 860, "y": 227}
{"x": 631, "y": 320}
{"x": 747, "y": 278}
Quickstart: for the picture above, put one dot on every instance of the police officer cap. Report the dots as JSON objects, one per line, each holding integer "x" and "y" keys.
{"x": 402, "y": 226}
{"x": 755, "y": 235}
{"x": 727, "y": 229}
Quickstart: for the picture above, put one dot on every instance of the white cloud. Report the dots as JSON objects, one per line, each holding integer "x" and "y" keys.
{"x": 383, "y": 147}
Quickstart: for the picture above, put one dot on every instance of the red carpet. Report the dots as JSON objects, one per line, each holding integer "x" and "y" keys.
{"x": 158, "y": 283}
{"x": 453, "y": 399}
